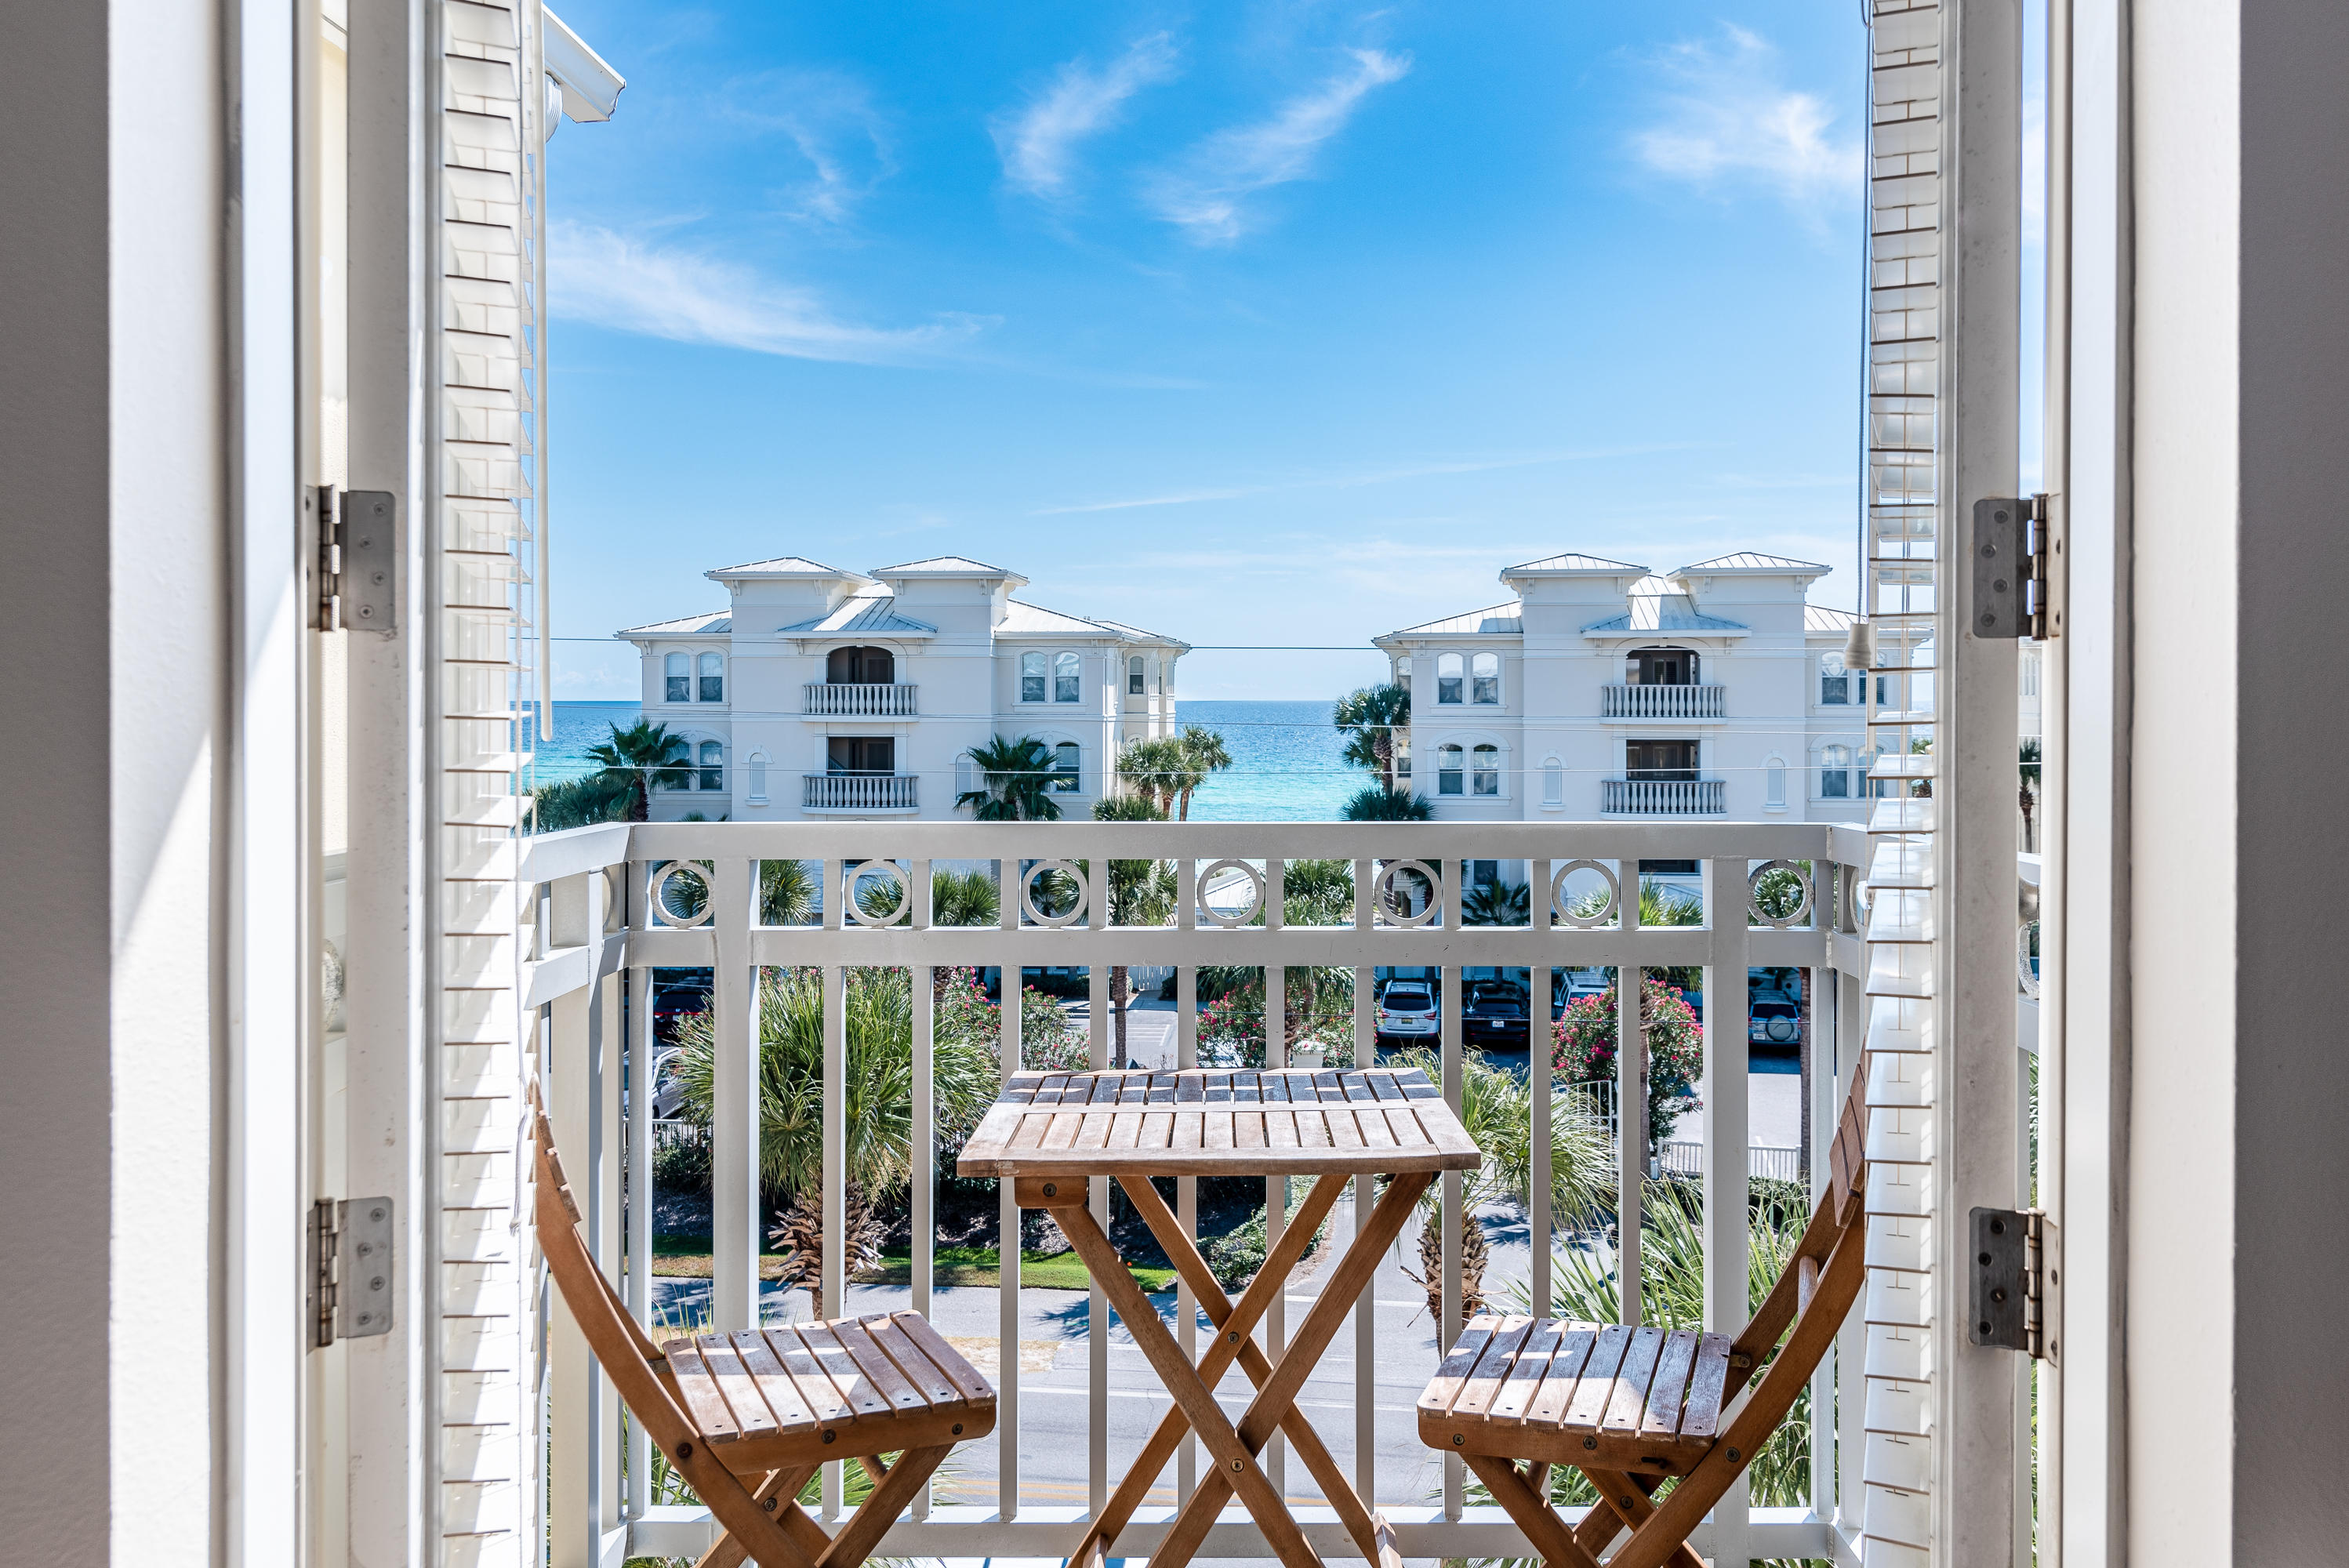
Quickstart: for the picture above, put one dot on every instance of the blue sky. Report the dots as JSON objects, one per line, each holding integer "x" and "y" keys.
{"x": 1253, "y": 324}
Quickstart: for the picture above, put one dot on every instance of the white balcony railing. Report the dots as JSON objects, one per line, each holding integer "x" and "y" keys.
{"x": 827, "y": 699}
{"x": 1662, "y": 797}
{"x": 606, "y": 906}
{"x": 1662, "y": 702}
{"x": 858, "y": 792}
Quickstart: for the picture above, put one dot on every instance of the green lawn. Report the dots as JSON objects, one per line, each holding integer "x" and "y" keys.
{"x": 980, "y": 1265}
{"x": 689, "y": 1256}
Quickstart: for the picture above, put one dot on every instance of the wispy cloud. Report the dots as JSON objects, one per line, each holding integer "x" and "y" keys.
{"x": 831, "y": 121}
{"x": 1346, "y": 481}
{"x": 1729, "y": 118}
{"x": 659, "y": 290}
{"x": 1037, "y": 142}
{"x": 1206, "y": 195}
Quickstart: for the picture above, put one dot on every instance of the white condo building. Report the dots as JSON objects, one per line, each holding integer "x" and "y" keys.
{"x": 823, "y": 693}
{"x": 1605, "y": 690}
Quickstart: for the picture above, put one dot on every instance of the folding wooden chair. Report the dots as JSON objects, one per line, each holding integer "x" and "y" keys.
{"x": 747, "y": 1418}
{"x": 1630, "y": 1407}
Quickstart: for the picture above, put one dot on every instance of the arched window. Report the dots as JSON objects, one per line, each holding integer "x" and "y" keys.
{"x": 1835, "y": 684}
{"x": 1835, "y": 773}
{"x": 1135, "y": 666}
{"x": 677, "y": 671}
{"x": 713, "y": 764}
{"x": 757, "y": 796}
{"x": 1448, "y": 760}
{"x": 1774, "y": 783}
{"x": 1553, "y": 781}
{"x": 860, "y": 667}
{"x": 1064, "y": 677}
{"x": 1402, "y": 756}
{"x": 1402, "y": 671}
{"x": 1449, "y": 668}
{"x": 713, "y": 678}
{"x": 1064, "y": 763}
{"x": 1485, "y": 762}
{"x": 1485, "y": 678}
{"x": 1032, "y": 678}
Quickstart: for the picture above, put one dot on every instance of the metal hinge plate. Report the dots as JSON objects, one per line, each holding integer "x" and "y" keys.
{"x": 2018, "y": 567}
{"x": 351, "y": 1262}
{"x": 356, "y": 557}
{"x": 2017, "y": 1274}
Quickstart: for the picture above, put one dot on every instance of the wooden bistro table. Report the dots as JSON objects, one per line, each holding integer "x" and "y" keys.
{"x": 1050, "y": 1132}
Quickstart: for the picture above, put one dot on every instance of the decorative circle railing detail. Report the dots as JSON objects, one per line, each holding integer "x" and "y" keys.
{"x": 1754, "y": 894}
{"x": 857, "y": 874}
{"x": 1028, "y": 892}
{"x": 1255, "y": 893}
{"x": 1383, "y": 900}
{"x": 657, "y": 894}
{"x": 1562, "y": 911}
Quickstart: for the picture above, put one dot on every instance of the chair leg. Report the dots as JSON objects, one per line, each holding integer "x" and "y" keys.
{"x": 1543, "y": 1527}
{"x": 1624, "y": 1500}
{"x": 774, "y": 1495}
{"x": 861, "y": 1534}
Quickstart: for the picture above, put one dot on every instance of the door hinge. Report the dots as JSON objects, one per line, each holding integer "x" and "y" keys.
{"x": 356, "y": 559}
{"x": 2018, "y": 567}
{"x": 2017, "y": 1282}
{"x": 350, "y": 1269}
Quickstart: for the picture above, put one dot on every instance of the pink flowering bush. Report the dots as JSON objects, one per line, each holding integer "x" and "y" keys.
{"x": 1585, "y": 1049}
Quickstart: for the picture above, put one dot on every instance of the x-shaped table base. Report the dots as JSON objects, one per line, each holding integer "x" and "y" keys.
{"x": 1233, "y": 1449}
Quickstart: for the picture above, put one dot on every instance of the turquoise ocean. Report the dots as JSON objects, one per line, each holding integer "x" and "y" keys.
{"x": 1285, "y": 762}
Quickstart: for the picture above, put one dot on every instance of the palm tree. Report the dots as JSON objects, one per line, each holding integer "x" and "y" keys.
{"x": 1377, "y": 803}
{"x": 787, "y": 892}
{"x": 2028, "y": 796}
{"x": 880, "y": 1105}
{"x": 581, "y": 802}
{"x": 1203, "y": 753}
{"x": 1497, "y": 903}
{"x": 1369, "y": 719}
{"x": 643, "y": 756}
{"x": 1016, "y": 782}
{"x": 1497, "y": 1112}
{"x": 1141, "y": 893}
{"x": 1159, "y": 769}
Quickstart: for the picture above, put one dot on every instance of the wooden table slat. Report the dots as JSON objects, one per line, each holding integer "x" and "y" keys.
{"x": 1211, "y": 1121}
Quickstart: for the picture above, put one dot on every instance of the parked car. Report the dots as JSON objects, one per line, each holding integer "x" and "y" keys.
{"x": 1496, "y": 1013}
{"x": 674, "y": 1001}
{"x": 1774, "y": 1023}
{"x": 1407, "y": 1013}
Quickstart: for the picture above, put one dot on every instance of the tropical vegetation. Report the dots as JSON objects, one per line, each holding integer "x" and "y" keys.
{"x": 642, "y": 758}
{"x": 1671, "y": 1296}
{"x": 1015, "y": 782}
{"x": 1585, "y": 1047}
{"x": 1371, "y": 719}
{"x": 1496, "y": 1109}
{"x": 1141, "y": 893}
{"x": 581, "y": 802}
{"x": 1377, "y": 803}
{"x": 879, "y": 1109}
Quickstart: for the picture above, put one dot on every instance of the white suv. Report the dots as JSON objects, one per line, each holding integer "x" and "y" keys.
{"x": 1407, "y": 1011}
